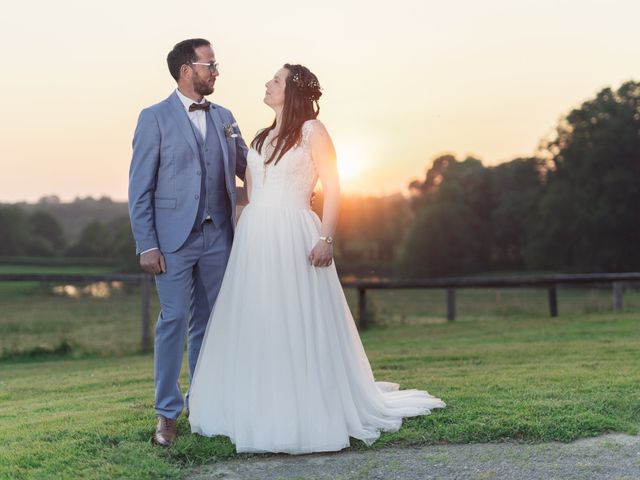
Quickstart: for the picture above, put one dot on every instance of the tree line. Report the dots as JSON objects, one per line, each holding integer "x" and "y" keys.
{"x": 40, "y": 234}
{"x": 573, "y": 207}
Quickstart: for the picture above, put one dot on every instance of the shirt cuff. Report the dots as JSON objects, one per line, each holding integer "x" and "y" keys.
{"x": 154, "y": 248}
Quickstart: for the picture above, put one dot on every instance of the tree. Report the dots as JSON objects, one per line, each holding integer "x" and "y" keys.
{"x": 46, "y": 236}
{"x": 14, "y": 231}
{"x": 517, "y": 187}
{"x": 589, "y": 217}
{"x": 123, "y": 246}
{"x": 451, "y": 232}
{"x": 94, "y": 241}
{"x": 422, "y": 191}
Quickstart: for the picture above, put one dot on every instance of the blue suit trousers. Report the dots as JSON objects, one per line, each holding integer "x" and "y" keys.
{"x": 187, "y": 291}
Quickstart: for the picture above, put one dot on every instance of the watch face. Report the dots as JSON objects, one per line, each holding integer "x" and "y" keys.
{"x": 329, "y": 240}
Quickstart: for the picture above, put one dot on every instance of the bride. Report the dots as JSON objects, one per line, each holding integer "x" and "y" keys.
{"x": 282, "y": 368}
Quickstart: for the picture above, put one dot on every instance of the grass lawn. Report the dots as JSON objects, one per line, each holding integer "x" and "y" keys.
{"x": 523, "y": 376}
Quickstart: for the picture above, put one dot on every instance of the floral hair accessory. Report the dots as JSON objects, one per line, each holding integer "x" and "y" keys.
{"x": 310, "y": 88}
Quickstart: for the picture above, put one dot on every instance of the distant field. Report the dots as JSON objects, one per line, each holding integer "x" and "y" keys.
{"x": 528, "y": 378}
{"x": 35, "y": 320}
{"x": 42, "y": 322}
{"x": 62, "y": 269}
{"x": 7, "y": 289}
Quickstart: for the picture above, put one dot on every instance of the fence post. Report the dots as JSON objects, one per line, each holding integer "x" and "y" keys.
{"x": 553, "y": 301}
{"x": 363, "y": 321}
{"x": 451, "y": 304}
{"x": 618, "y": 293}
{"x": 145, "y": 312}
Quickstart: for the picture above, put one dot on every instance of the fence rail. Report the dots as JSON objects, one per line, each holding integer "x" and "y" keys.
{"x": 550, "y": 282}
{"x": 450, "y": 285}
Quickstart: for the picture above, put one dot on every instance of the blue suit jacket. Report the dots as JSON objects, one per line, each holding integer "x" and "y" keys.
{"x": 164, "y": 181}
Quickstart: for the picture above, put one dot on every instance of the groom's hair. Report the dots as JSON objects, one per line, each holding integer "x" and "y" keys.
{"x": 184, "y": 52}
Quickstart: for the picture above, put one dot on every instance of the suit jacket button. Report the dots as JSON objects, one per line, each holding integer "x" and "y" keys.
{"x": 197, "y": 197}
{"x": 198, "y": 172}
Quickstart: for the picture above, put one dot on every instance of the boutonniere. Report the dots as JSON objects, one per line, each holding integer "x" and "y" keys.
{"x": 228, "y": 130}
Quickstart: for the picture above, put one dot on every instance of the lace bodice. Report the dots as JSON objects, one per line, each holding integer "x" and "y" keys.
{"x": 289, "y": 183}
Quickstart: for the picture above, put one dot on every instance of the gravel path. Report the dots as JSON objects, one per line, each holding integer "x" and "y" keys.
{"x": 613, "y": 456}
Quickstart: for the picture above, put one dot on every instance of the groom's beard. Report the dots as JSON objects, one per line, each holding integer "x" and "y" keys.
{"x": 203, "y": 87}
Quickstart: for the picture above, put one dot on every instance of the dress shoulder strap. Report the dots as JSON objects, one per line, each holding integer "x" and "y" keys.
{"x": 307, "y": 128}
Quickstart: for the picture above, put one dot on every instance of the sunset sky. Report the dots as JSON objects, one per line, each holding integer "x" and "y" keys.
{"x": 404, "y": 81}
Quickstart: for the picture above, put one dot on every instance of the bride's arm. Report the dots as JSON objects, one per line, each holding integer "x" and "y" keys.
{"x": 247, "y": 181}
{"x": 324, "y": 157}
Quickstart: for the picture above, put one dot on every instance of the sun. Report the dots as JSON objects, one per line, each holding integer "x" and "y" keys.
{"x": 351, "y": 164}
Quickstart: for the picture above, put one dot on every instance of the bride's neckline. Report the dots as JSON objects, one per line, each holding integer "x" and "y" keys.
{"x": 268, "y": 147}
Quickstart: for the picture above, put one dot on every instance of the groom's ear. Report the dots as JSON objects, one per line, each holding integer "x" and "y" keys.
{"x": 184, "y": 70}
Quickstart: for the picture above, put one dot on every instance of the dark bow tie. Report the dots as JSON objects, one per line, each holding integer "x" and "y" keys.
{"x": 200, "y": 106}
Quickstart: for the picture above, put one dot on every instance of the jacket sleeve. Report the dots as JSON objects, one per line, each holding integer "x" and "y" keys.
{"x": 143, "y": 174}
{"x": 241, "y": 152}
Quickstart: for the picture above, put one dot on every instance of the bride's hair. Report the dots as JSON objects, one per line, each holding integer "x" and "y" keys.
{"x": 301, "y": 94}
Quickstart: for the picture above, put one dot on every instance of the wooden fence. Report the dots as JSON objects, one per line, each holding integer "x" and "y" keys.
{"x": 549, "y": 282}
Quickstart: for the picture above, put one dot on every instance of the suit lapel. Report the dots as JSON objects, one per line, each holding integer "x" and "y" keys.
{"x": 182, "y": 119}
{"x": 216, "y": 118}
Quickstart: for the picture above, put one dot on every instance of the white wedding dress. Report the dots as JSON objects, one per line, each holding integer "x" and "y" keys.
{"x": 282, "y": 368}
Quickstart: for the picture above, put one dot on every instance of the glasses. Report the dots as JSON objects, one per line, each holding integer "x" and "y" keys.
{"x": 213, "y": 66}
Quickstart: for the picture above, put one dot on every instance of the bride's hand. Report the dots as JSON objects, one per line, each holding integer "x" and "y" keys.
{"x": 321, "y": 255}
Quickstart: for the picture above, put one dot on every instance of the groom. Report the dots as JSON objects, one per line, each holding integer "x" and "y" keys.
{"x": 182, "y": 199}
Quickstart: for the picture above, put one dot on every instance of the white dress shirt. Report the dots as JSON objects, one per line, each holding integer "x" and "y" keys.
{"x": 197, "y": 117}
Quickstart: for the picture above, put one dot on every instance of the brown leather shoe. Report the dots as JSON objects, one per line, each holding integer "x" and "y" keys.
{"x": 166, "y": 431}
{"x": 186, "y": 412}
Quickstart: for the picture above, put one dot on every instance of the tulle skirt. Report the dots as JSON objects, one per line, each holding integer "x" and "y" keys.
{"x": 282, "y": 368}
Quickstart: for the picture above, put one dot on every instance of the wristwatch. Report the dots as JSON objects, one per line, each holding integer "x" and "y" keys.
{"x": 328, "y": 239}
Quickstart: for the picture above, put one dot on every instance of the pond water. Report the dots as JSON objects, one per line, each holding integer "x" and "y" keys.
{"x": 95, "y": 290}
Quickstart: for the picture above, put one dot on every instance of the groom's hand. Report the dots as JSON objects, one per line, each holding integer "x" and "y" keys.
{"x": 153, "y": 262}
